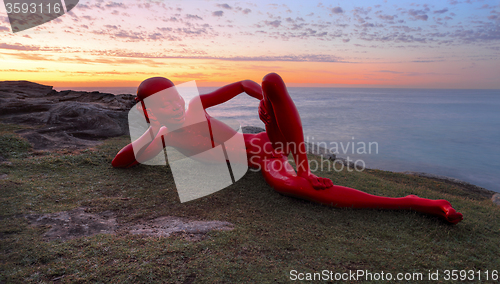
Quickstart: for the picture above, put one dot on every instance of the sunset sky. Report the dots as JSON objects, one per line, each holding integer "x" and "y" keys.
{"x": 441, "y": 44}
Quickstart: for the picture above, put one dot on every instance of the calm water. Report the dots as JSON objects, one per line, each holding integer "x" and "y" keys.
{"x": 454, "y": 133}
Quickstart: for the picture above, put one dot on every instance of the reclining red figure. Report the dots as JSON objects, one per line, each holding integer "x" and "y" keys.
{"x": 265, "y": 150}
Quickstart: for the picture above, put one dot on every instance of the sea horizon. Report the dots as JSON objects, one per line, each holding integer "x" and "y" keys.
{"x": 133, "y": 89}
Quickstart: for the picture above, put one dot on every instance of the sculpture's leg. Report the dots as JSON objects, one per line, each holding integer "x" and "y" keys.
{"x": 284, "y": 127}
{"x": 283, "y": 179}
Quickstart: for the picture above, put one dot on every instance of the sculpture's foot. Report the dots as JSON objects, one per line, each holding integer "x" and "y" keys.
{"x": 453, "y": 216}
{"x": 440, "y": 207}
{"x": 447, "y": 212}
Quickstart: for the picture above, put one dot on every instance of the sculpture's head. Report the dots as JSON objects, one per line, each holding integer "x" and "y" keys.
{"x": 166, "y": 107}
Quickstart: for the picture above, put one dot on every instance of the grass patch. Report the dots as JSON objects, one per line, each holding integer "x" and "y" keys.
{"x": 11, "y": 144}
{"x": 273, "y": 233}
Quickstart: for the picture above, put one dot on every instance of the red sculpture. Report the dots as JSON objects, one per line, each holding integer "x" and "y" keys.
{"x": 267, "y": 150}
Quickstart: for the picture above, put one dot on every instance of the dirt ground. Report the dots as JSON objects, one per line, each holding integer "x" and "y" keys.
{"x": 78, "y": 223}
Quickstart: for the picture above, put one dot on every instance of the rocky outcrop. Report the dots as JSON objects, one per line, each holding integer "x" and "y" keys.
{"x": 252, "y": 129}
{"x": 66, "y": 119}
{"x": 496, "y": 199}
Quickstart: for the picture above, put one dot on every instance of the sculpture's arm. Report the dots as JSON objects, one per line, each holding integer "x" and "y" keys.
{"x": 144, "y": 148}
{"x": 230, "y": 91}
{"x": 222, "y": 132}
{"x": 155, "y": 146}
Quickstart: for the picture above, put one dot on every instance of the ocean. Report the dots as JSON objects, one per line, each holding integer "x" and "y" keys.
{"x": 455, "y": 133}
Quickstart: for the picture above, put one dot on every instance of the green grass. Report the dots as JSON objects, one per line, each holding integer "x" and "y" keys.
{"x": 10, "y": 144}
{"x": 273, "y": 233}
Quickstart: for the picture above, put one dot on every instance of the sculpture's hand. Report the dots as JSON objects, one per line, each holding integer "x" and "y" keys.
{"x": 252, "y": 88}
{"x": 317, "y": 182}
{"x": 263, "y": 114}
